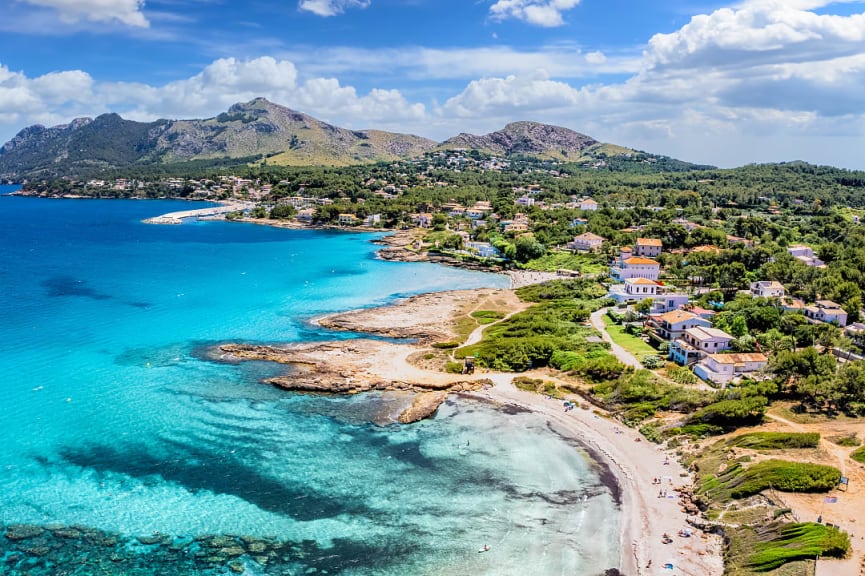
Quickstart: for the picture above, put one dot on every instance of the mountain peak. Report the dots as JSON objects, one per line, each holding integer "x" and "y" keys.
{"x": 526, "y": 137}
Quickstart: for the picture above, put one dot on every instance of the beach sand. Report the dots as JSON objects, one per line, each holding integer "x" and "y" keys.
{"x": 634, "y": 461}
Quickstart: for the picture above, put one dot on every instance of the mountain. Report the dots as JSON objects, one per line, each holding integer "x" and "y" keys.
{"x": 528, "y": 139}
{"x": 260, "y": 129}
{"x": 256, "y": 128}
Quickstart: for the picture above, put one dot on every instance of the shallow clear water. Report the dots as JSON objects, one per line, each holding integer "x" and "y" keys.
{"x": 112, "y": 419}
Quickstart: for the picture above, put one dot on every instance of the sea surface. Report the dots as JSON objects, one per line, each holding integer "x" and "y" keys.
{"x": 115, "y": 424}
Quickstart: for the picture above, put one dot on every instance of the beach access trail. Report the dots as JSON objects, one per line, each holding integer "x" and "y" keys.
{"x": 625, "y": 357}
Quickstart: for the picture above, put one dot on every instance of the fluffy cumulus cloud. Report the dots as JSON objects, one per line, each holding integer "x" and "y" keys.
{"x": 730, "y": 83}
{"x": 546, "y": 13}
{"x": 331, "y": 7}
{"x": 125, "y": 11}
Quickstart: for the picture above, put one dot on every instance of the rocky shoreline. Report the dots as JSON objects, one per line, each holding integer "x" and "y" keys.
{"x": 312, "y": 372}
{"x": 52, "y": 549}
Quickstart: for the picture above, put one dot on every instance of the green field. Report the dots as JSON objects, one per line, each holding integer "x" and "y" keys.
{"x": 635, "y": 346}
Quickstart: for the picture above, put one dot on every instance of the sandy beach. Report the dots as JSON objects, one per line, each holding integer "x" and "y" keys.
{"x": 648, "y": 478}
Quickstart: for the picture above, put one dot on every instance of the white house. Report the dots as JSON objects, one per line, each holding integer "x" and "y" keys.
{"x": 767, "y": 289}
{"x": 639, "y": 289}
{"x": 484, "y": 249}
{"x": 722, "y": 368}
{"x": 588, "y": 204}
{"x": 697, "y": 343}
{"x": 672, "y": 325}
{"x": 525, "y": 200}
{"x": 586, "y": 242}
{"x": 648, "y": 247}
{"x": 805, "y": 254}
{"x": 826, "y": 311}
{"x": 627, "y": 266}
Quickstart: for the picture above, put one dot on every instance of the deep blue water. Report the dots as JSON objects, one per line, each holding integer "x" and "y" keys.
{"x": 112, "y": 419}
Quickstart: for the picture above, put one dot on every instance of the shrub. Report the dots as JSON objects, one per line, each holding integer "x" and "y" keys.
{"x": 858, "y": 455}
{"x": 851, "y": 440}
{"x": 454, "y": 368}
{"x": 652, "y": 362}
{"x": 780, "y": 475}
{"x": 732, "y": 413}
{"x": 445, "y": 345}
{"x": 799, "y": 542}
{"x": 651, "y": 433}
{"x": 776, "y": 440}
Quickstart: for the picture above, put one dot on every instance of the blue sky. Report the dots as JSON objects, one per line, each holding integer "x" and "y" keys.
{"x": 708, "y": 81}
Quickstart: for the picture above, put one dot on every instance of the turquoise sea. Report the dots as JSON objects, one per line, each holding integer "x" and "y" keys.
{"x": 125, "y": 451}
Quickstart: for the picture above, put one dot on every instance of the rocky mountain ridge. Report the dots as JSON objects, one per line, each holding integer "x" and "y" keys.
{"x": 247, "y": 132}
{"x": 526, "y": 138}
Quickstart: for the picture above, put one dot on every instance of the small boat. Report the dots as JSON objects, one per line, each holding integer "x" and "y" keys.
{"x": 486, "y": 548}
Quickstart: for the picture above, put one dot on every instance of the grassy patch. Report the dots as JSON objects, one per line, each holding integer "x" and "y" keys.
{"x": 574, "y": 288}
{"x": 538, "y": 386}
{"x": 850, "y": 440}
{"x": 583, "y": 263}
{"x": 858, "y": 455}
{"x": 487, "y": 316}
{"x": 776, "y": 440}
{"x": 632, "y": 344}
{"x": 737, "y": 482}
{"x": 766, "y": 548}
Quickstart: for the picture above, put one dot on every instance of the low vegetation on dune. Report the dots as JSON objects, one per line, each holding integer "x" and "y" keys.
{"x": 775, "y": 440}
{"x": 761, "y": 549}
{"x": 737, "y": 481}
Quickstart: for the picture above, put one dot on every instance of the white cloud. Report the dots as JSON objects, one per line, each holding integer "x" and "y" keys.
{"x": 125, "y": 11}
{"x": 597, "y": 57}
{"x": 331, "y": 7}
{"x": 59, "y": 97}
{"x": 547, "y": 13}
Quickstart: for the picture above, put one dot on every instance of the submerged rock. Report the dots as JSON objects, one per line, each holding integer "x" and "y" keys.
{"x": 23, "y": 531}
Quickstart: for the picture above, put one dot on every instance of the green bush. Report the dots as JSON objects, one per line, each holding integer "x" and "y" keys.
{"x": 652, "y": 434}
{"x": 681, "y": 375}
{"x": 850, "y": 440}
{"x": 738, "y": 482}
{"x": 858, "y": 455}
{"x": 799, "y": 542}
{"x": 652, "y": 362}
{"x": 776, "y": 440}
{"x": 571, "y": 289}
{"x": 454, "y": 368}
{"x": 732, "y": 413}
{"x": 445, "y": 345}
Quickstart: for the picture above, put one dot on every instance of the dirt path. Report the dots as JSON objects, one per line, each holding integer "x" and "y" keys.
{"x": 625, "y": 357}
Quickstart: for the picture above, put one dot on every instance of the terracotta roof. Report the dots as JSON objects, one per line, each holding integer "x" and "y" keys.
{"x": 636, "y": 261}
{"x": 641, "y": 281}
{"x": 649, "y": 242}
{"x": 589, "y": 236}
{"x": 739, "y": 358}
{"x": 677, "y": 316}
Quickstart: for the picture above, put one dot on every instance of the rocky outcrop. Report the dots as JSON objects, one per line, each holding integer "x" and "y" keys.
{"x": 424, "y": 406}
{"x": 340, "y": 368}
